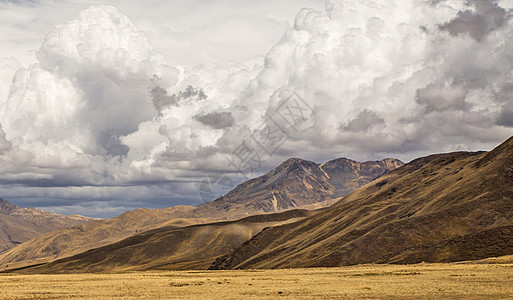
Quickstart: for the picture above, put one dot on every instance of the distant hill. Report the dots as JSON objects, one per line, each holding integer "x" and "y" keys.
{"x": 296, "y": 183}
{"x": 18, "y": 225}
{"x": 440, "y": 208}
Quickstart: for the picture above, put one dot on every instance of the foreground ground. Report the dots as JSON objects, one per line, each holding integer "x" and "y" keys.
{"x": 490, "y": 279}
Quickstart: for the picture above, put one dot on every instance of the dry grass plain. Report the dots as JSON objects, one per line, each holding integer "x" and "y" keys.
{"x": 488, "y": 279}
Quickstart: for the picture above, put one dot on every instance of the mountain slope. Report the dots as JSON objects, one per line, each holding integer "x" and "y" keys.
{"x": 446, "y": 207}
{"x": 18, "y": 225}
{"x": 190, "y": 247}
{"x": 296, "y": 183}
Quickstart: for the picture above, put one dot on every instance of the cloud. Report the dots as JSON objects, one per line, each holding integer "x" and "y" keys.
{"x": 395, "y": 60}
{"x": 161, "y": 99}
{"x": 440, "y": 98}
{"x": 8, "y": 66}
{"x": 101, "y": 113}
{"x": 89, "y": 87}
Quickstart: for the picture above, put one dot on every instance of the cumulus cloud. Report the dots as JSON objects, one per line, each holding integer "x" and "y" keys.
{"x": 380, "y": 78}
{"x": 88, "y": 88}
{"x": 396, "y": 60}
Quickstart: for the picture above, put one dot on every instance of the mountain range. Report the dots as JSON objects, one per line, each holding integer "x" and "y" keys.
{"x": 296, "y": 183}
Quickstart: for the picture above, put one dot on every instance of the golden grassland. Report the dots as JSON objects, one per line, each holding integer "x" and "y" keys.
{"x": 488, "y": 279}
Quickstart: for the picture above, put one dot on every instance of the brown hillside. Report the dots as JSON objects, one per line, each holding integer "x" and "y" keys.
{"x": 191, "y": 247}
{"x": 447, "y": 207}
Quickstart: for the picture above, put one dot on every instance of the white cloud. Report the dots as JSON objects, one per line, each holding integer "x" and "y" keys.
{"x": 88, "y": 87}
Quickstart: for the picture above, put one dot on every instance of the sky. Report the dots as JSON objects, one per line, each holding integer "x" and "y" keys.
{"x": 107, "y": 106}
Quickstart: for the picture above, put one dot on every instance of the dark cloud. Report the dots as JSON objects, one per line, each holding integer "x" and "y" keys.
{"x": 363, "y": 122}
{"x": 161, "y": 99}
{"x": 482, "y": 17}
{"x": 217, "y": 120}
{"x": 159, "y": 96}
{"x": 441, "y": 97}
{"x": 113, "y": 145}
{"x": 191, "y": 92}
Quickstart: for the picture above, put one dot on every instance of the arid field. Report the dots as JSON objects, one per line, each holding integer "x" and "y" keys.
{"x": 490, "y": 279}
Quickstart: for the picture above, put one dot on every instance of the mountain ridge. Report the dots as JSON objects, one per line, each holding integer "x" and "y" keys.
{"x": 297, "y": 182}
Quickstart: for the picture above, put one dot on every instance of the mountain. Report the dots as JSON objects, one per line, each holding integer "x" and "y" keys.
{"x": 440, "y": 208}
{"x": 297, "y": 183}
{"x": 18, "y": 225}
{"x": 185, "y": 248}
